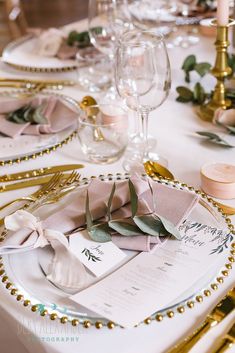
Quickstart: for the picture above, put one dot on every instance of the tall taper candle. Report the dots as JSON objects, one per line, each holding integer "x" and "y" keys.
{"x": 222, "y": 12}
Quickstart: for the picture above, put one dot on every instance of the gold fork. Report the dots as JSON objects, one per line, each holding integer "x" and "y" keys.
{"x": 45, "y": 188}
{"x": 61, "y": 190}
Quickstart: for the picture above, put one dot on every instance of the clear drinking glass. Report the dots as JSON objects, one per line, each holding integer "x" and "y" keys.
{"x": 107, "y": 20}
{"x": 103, "y": 132}
{"x": 143, "y": 77}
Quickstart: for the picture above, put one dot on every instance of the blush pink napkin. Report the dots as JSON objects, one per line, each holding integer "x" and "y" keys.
{"x": 173, "y": 204}
{"x": 28, "y": 232}
{"x": 59, "y": 116}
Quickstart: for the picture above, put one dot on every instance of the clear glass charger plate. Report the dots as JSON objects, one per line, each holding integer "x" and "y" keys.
{"x": 23, "y": 276}
{"x": 22, "y": 50}
{"x": 30, "y": 146}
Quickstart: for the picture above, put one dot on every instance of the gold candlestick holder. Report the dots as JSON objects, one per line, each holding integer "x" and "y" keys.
{"x": 221, "y": 71}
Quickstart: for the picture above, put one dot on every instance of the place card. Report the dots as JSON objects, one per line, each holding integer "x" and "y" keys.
{"x": 99, "y": 258}
{"x": 151, "y": 281}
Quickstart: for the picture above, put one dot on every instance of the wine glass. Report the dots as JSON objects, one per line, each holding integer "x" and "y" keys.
{"x": 107, "y": 20}
{"x": 143, "y": 78}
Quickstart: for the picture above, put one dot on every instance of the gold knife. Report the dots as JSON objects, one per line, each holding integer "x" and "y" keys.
{"x": 25, "y": 184}
{"x": 39, "y": 172}
{"x": 226, "y": 342}
{"x": 222, "y": 309}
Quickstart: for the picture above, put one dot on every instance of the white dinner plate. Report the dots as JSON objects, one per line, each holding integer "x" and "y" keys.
{"x": 25, "y": 270}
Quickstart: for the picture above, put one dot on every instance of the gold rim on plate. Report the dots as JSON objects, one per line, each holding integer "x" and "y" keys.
{"x": 158, "y": 317}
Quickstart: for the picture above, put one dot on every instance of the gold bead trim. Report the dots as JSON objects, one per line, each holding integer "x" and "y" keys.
{"x": 38, "y": 154}
{"x": 41, "y": 69}
{"x": 158, "y": 317}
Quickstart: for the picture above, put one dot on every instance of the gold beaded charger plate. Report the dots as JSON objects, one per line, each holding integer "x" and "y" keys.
{"x": 23, "y": 277}
{"x": 26, "y": 147}
{"x": 21, "y": 55}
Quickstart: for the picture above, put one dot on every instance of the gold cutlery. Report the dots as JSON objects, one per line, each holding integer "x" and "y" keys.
{"x": 25, "y": 184}
{"x": 154, "y": 169}
{"x": 222, "y": 309}
{"x": 59, "y": 185}
{"x": 28, "y": 83}
{"x": 39, "y": 172}
{"x": 92, "y": 113}
{"x": 44, "y": 190}
{"x": 226, "y": 342}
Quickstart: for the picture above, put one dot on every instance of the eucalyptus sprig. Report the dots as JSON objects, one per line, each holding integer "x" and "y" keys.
{"x": 151, "y": 223}
{"x": 214, "y": 138}
{"x": 199, "y": 95}
{"x": 81, "y": 39}
{"x": 190, "y": 64}
{"x": 27, "y": 114}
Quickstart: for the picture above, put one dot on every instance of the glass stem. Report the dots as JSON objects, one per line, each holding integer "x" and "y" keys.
{"x": 144, "y": 120}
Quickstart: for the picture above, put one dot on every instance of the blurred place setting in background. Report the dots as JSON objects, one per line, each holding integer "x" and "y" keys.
{"x": 117, "y": 176}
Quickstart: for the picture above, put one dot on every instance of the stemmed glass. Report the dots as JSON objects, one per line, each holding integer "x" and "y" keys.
{"x": 106, "y": 22}
{"x": 143, "y": 78}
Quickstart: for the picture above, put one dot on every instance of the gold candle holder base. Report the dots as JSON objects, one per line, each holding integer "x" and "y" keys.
{"x": 221, "y": 71}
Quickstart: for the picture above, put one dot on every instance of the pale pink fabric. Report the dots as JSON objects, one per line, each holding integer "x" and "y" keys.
{"x": 226, "y": 117}
{"x": 173, "y": 204}
{"x": 59, "y": 116}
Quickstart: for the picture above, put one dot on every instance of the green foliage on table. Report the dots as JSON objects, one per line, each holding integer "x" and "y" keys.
{"x": 27, "y": 114}
{"x": 214, "y": 138}
{"x": 207, "y": 4}
{"x": 136, "y": 225}
{"x": 199, "y": 95}
{"x": 196, "y": 96}
{"x": 81, "y": 39}
{"x": 190, "y": 64}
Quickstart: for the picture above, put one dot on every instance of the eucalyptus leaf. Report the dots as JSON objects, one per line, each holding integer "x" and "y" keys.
{"x": 185, "y": 94}
{"x": 124, "y": 228}
{"x": 89, "y": 220}
{"x": 231, "y": 129}
{"x": 134, "y": 198}
{"x": 199, "y": 94}
{"x": 38, "y": 118}
{"x": 202, "y": 68}
{"x": 231, "y": 62}
{"x": 149, "y": 224}
{"x": 212, "y": 137}
{"x": 170, "y": 228}
{"x": 28, "y": 114}
{"x": 110, "y": 202}
{"x": 189, "y": 63}
{"x": 100, "y": 233}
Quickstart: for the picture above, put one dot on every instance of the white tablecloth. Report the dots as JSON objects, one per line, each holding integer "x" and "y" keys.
{"x": 173, "y": 124}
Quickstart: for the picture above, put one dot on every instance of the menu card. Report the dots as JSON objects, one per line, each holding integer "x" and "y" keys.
{"x": 150, "y": 281}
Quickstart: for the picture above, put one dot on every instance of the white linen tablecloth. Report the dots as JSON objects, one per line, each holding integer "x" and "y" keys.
{"x": 173, "y": 124}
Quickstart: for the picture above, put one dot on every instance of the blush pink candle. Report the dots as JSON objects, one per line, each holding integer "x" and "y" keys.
{"x": 222, "y": 12}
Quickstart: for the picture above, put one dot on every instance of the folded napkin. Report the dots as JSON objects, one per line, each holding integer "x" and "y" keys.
{"x": 57, "y": 113}
{"x": 173, "y": 204}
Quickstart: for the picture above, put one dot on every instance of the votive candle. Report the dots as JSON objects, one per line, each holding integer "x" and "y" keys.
{"x": 222, "y": 12}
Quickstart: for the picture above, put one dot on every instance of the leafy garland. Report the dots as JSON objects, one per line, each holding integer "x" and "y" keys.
{"x": 199, "y": 96}
{"x": 151, "y": 224}
{"x": 28, "y": 114}
{"x": 81, "y": 39}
